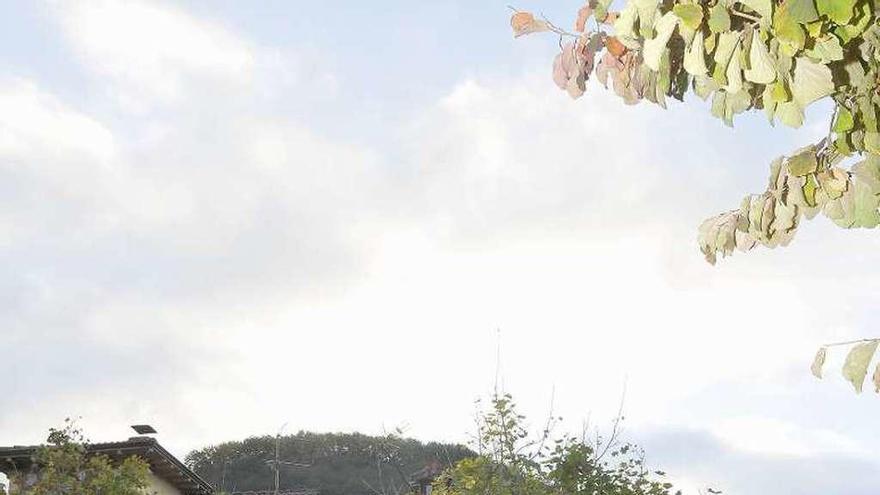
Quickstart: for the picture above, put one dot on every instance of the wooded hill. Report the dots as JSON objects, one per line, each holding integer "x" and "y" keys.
{"x": 334, "y": 463}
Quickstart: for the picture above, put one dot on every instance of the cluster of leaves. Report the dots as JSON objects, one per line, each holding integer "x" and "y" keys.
{"x": 778, "y": 56}
{"x": 855, "y": 368}
{"x": 511, "y": 462}
{"x": 799, "y": 187}
{"x": 65, "y": 467}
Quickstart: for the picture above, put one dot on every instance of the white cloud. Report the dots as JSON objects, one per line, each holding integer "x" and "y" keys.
{"x": 154, "y": 51}
{"x": 774, "y": 436}
{"x": 31, "y": 116}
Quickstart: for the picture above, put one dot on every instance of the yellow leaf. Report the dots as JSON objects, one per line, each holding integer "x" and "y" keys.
{"x": 856, "y": 366}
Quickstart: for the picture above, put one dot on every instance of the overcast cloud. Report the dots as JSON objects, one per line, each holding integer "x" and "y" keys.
{"x": 217, "y": 222}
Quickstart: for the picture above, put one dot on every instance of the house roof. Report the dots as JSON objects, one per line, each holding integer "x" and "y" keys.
{"x": 162, "y": 463}
{"x": 428, "y": 473}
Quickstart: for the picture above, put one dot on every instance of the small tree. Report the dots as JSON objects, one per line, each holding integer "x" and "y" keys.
{"x": 66, "y": 467}
{"x": 512, "y": 462}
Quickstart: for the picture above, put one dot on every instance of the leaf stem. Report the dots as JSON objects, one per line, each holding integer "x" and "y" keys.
{"x": 745, "y": 16}
{"x": 850, "y": 342}
{"x": 558, "y": 30}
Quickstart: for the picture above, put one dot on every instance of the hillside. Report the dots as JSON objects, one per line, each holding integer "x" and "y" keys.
{"x": 336, "y": 463}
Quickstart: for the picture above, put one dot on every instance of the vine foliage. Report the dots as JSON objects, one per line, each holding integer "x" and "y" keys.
{"x": 778, "y": 56}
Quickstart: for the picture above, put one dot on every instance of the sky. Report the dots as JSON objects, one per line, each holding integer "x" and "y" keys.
{"x": 220, "y": 217}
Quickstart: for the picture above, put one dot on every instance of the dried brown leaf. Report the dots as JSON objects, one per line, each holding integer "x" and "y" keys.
{"x": 584, "y": 14}
{"x": 525, "y": 23}
{"x": 614, "y": 46}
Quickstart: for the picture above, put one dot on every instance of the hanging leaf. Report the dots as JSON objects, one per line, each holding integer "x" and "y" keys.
{"x": 788, "y": 31}
{"x": 727, "y": 43}
{"x": 826, "y": 49}
{"x": 655, "y": 46}
{"x": 856, "y": 366}
{"x": 614, "y": 46}
{"x": 624, "y": 26}
{"x": 691, "y": 15}
{"x": 719, "y": 18}
{"x": 790, "y": 113}
{"x": 647, "y": 11}
{"x": 839, "y": 11}
{"x": 762, "y": 69}
{"x": 803, "y": 162}
{"x": 763, "y": 8}
{"x": 819, "y": 362}
{"x": 584, "y": 14}
{"x": 695, "y": 57}
{"x": 877, "y": 379}
{"x": 734, "y": 73}
{"x": 811, "y": 82}
{"x": 802, "y": 11}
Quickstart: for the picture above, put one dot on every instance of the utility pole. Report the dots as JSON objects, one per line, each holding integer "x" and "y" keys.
{"x": 223, "y": 477}
{"x": 276, "y": 462}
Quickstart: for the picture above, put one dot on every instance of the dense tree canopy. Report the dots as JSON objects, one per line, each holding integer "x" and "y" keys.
{"x": 779, "y": 56}
{"x": 338, "y": 463}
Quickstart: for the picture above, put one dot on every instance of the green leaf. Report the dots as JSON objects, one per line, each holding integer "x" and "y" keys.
{"x": 624, "y": 26}
{"x": 872, "y": 142}
{"x": 827, "y": 49}
{"x": 719, "y": 104}
{"x": 790, "y": 113}
{"x": 654, "y": 48}
{"x": 769, "y": 104}
{"x": 764, "y": 8}
{"x": 844, "y": 120}
{"x": 727, "y": 43}
{"x": 802, "y": 11}
{"x": 856, "y": 366}
{"x": 811, "y": 82}
{"x": 788, "y": 31}
{"x": 839, "y": 11}
{"x": 877, "y": 379}
{"x": 803, "y": 163}
{"x": 809, "y": 190}
{"x": 779, "y": 93}
{"x": 868, "y": 171}
{"x": 734, "y": 71}
{"x": 647, "y": 10}
{"x": 865, "y": 202}
{"x": 867, "y": 114}
{"x": 761, "y": 69}
{"x": 863, "y": 18}
{"x": 691, "y": 15}
{"x": 704, "y": 86}
{"x": 719, "y": 18}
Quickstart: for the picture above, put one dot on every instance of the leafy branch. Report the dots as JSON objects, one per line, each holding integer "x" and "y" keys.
{"x": 771, "y": 55}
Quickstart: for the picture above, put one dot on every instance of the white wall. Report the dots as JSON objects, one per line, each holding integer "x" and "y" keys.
{"x": 158, "y": 486}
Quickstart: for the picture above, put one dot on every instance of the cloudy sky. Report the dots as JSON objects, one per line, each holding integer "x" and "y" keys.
{"x": 222, "y": 216}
